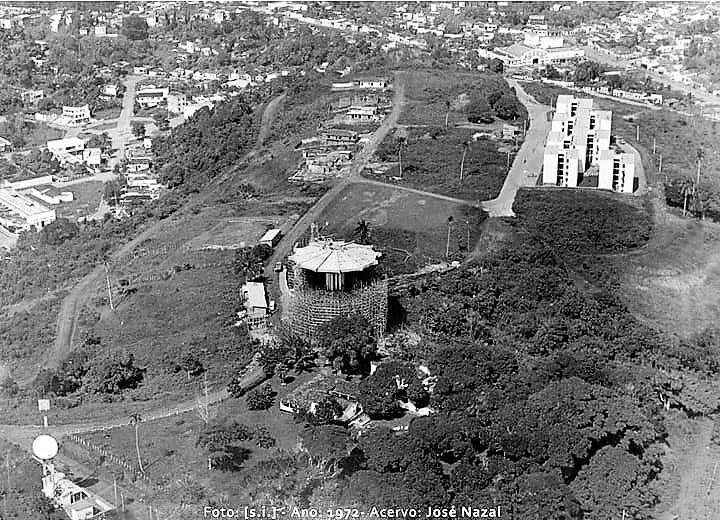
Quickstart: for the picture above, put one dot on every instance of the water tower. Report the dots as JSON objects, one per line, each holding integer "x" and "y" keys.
{"x": 331, "y": 278}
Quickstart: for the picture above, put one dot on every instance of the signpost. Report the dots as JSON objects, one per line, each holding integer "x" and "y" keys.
{"x": 44, "y": 406}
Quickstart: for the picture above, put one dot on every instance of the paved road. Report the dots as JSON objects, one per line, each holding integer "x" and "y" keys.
{"x": 529, "y": 159}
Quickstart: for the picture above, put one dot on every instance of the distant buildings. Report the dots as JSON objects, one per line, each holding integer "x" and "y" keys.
{"x": 542, "y": 45}
{"x": 578, "y": 149}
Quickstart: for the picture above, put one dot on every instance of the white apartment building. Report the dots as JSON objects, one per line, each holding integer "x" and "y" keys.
{"x": 580, "y": 139}
{"x": 617, "y": 171}
{"x": 150, "y": 96}
{"x": 76, "y": 116}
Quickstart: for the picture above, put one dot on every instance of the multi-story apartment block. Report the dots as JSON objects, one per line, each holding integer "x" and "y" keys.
{"x": 617, "y": 171}
{"x": 580, "y": 139}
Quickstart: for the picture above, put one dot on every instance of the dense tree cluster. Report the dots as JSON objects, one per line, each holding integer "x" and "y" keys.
{"x": 205, "y": 146}
{"x": 349, "y": 343}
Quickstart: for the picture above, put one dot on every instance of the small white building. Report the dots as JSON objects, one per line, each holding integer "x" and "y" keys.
{"x": 149, "y": 97}
{"x": 65, "y": 150}
{"x": 76, "y": 116}
{"x": 271, "y": 237}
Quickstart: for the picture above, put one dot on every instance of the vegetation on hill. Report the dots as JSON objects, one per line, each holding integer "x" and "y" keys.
{"x": 432, "y": 96}
{"x": 581, "y": 221}
{"x": 212, "y": 140}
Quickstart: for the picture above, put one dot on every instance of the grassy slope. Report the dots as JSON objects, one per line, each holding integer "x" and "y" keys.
{"x": 402, "y": 221}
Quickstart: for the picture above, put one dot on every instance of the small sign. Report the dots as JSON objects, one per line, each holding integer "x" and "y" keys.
{"x": 44, "y": 405}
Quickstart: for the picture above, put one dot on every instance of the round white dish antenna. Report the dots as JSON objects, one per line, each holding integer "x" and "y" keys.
{"x": 45, "y": 447}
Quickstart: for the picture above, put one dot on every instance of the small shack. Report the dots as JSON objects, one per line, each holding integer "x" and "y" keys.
{"x": 271, "y": 237}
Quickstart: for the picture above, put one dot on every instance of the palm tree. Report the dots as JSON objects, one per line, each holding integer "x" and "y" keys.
{"x": 687, "y": 188}
{"x": 447, "y": 113}
{"x": 462, "y": 161}
{"x": 362, "y": 232}
{"x": 447, "y": 244}
{"x": 136, "y": 419}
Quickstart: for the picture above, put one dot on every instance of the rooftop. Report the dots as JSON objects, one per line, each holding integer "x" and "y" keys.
{"x": 255, "y": 294}
{"x": 329, "y": 256}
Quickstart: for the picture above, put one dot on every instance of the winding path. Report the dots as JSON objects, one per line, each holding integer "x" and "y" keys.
{"x": 72, "y": 304}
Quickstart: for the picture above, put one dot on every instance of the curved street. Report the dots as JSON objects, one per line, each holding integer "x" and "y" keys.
{"x": 528, "y": 162}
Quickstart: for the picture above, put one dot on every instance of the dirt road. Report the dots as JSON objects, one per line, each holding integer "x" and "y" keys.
{"x": 73, "y": 302}
{"x": 361, "y": 161}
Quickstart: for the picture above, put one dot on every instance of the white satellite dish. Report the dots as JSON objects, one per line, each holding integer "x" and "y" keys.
{"x": 45, "y": 447}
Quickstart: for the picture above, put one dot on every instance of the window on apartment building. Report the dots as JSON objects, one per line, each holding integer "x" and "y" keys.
{"x": 592, "y": 122}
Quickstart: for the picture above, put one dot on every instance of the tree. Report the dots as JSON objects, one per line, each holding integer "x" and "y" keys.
{"x": 687, "y": 189}
{"x": 392, "y": 383}
{"x": 114, "y": 374}
{"x": 261, "y": 398}
{"x": 400, "y": 143}
{"x": 506, "y": 107}
{"x": 189, "y": 364}
{"x": 136, "y": 419}
{"x": 138, "y": 129}
{"x": 112, "y": 190}
{"x": 134, "y": 28}
{"x": 496, "y": 65}
{"x": 222, "y": 441}
{"x": 447, "y": 112}
{"x": 478, "y": 110}
{"x": 362, "y": 232}
{"x": 349, "y": 342}
{"x": 465, "y": 147}
{"x": 59, "y": 231}
{"x": 450, "y": 220}
{"x": 102, "y": 141}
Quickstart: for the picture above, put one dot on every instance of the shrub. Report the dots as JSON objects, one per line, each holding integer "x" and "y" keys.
{"x": 261, "y": 398}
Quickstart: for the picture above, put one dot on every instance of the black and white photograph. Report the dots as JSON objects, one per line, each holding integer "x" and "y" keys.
{"x": 354, "y": 260}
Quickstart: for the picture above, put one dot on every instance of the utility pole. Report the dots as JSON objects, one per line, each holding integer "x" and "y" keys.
{"x": 637, "y": 133}
{"x": 467, "y": 225}
{"x": 107, "y": 279}
{"x": 654, "y": 145}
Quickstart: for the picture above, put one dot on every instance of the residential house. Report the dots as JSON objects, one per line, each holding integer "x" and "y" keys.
{"x": 76, "y": 116}
{"x": 32, "y": 97}
{"x": 151, "y": 96}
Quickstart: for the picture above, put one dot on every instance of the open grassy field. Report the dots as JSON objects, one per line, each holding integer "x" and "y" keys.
{"x": 410, "y": 229}
{"x": 431, "y": 162}
{"x": 87, "y": 196}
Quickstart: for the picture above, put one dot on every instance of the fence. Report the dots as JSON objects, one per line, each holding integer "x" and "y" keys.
{"x": 127, "y": 466}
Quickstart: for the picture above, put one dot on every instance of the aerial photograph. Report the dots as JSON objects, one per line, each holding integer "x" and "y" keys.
{"x": 338, "y": 260}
